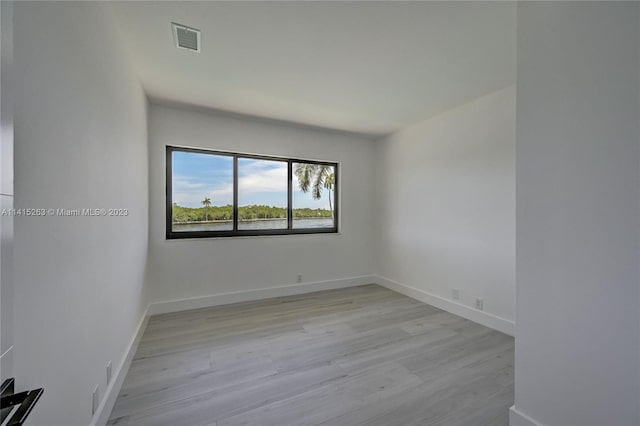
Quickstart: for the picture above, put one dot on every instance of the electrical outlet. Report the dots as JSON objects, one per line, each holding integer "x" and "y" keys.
{"x": 299, "y": 279}
{"x": 479, "y": 303}
{"x": 95, "y": 400}
{"x": 108, "y": 372}
{"x": 455, "y": 293}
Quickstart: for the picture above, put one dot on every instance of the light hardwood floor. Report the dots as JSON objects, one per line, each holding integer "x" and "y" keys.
{"x": 357, "y": 356}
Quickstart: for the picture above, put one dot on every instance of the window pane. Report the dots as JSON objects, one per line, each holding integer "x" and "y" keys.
{"x": 262, "y": 194}
{"x": 313, "y": 195}
{"x": 202, "y": 193}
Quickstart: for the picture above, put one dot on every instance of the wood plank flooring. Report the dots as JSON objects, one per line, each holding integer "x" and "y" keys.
{"x": 357, "y": 356}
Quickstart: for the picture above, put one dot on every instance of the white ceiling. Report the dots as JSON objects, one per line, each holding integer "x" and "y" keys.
{"x": 365, "y": 67}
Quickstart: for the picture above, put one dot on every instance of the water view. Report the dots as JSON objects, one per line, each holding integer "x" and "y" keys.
{"x": 204, "y": 187}
{"x": 253, "y": 224}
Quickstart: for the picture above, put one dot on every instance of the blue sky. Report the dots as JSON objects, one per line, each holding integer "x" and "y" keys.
{"x": 196, "y": 176}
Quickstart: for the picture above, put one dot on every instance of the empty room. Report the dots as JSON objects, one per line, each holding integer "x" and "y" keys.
{"x": 336, "y": 213}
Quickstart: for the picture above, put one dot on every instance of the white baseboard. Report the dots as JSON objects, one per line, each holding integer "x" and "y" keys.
{"x": 484, "y": 318}
{"x": 111, "y": 393}
{"x": 516, "y": 418}
{"x": 257, "y": 294}
{"x": 489, "y": 320}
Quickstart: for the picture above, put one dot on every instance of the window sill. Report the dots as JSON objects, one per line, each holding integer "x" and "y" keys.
{"x": 245, "y": 237}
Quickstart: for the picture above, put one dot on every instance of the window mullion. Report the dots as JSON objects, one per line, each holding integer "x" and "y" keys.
{"x": 235, "y": 193}
{"x": 290, "y": 195}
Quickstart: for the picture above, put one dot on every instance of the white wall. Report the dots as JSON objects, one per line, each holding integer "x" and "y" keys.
{"x": 206, "y": 267}
{"x": 6, "y": 192}
{"x": 446, "y": 208}
{"x": 81, "y": 142}
{"x": 578, "y": 214}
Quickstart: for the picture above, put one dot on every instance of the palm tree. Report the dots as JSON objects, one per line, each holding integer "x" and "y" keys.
{"x": 206, "y": 203}
{"x": 329, "y": 182}
{"x": 315, "y": 177}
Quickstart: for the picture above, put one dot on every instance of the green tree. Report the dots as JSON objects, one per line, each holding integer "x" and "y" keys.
{"x": 316, "y": 177}
{"x": 190, "y": 214}
{"x": 206, "y": 203}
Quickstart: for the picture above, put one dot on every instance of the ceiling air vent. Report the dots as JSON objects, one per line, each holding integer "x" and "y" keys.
{"x": 186, "y": 37}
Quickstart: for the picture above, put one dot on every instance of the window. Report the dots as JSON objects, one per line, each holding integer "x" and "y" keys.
{"x": 224, "y": 194}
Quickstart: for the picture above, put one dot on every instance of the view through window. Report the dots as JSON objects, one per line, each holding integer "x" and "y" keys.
{"x": 218, "y": 194}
